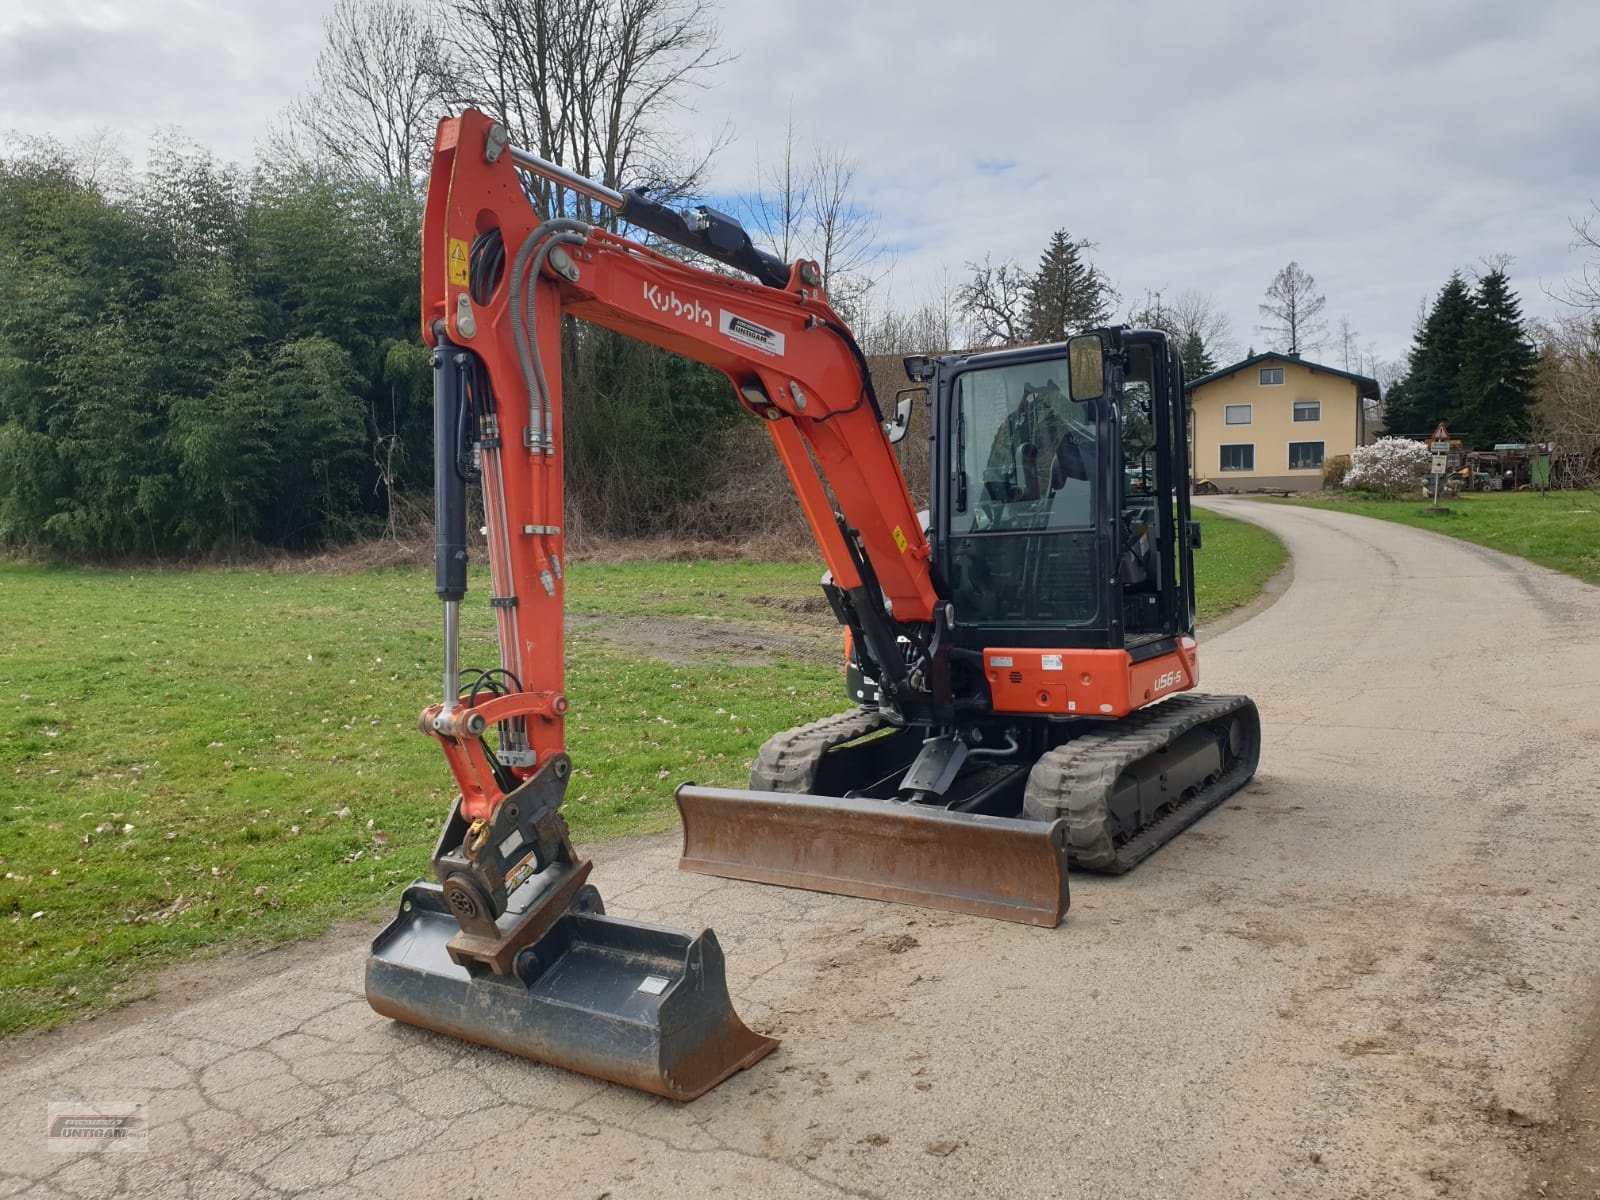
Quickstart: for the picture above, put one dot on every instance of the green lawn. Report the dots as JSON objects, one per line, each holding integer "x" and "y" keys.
{"x": 1555, "y": 529}
{"x": 192, "y": 760}
{"x": 1234, "y": 561}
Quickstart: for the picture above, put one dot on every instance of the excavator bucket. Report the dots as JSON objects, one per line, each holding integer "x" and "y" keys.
{"x": 636, "y": 1004}
{"x": 879, "y": 849}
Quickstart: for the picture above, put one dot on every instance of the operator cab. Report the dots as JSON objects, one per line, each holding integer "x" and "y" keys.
{"x": 1061, "y": 512}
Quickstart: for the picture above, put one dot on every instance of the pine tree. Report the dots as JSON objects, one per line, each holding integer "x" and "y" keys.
{"x": 1431, "y": 391}
{"x": 1067, "y": 293}
{"x": 1197, "y": 360}
{"x": 1498, "y": 365}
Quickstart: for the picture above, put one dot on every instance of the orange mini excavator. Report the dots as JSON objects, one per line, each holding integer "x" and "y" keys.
{"x": 1021, "y": 656}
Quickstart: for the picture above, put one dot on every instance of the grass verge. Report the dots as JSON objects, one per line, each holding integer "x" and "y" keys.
{"x": 197, "y": 760}
{"x": 1560, "y": 530}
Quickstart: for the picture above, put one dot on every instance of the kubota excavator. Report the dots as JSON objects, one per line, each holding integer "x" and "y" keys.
{"x": 1020, "y": 657}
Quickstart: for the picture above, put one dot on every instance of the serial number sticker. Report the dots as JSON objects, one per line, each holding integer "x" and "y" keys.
{"x": 653, "y": 985}
{"x": 1001, "y": 660}
{"x": 1050, "y": 662}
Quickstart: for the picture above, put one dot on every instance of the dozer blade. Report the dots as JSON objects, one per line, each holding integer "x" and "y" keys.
{"x": 998, "y": 867}
{"x": 636, "y": 1004}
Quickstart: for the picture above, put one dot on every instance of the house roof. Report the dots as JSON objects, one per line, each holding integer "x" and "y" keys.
{"x": 1365, "y": 384}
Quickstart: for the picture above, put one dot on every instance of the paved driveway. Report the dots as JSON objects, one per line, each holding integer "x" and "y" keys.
{"x": 1365, "y": 976}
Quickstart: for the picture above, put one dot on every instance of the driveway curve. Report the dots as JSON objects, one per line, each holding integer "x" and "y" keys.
{"x": 1365, "y": 976}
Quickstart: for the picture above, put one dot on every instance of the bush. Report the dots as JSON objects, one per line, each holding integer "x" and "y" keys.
{"x": 1334, "y": 470}
{"x": 1390, "y": 466}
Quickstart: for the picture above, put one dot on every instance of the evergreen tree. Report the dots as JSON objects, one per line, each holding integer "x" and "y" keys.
{"x": 1067, "y": 293}
{"x": 1197, "y": 360}
{"x": 1432, "y": 388}
{"x": 1498, "y": 365}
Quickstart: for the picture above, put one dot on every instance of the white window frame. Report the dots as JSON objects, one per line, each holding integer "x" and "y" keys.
{"x": 1221, "y": 461}
{"x": 1266, "y": 371}
{"x": 1249, "y": 414}
{"x": 1317, "y": 416}
{"x": 1321, "y": 458}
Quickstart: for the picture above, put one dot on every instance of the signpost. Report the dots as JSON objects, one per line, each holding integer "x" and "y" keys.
{"x": 1440, "y": 446}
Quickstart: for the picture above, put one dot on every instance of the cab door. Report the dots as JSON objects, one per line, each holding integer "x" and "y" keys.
{"x": 1153, "y": 555}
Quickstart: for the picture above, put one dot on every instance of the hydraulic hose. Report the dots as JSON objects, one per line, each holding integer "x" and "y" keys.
{"x": 541, "y": 240}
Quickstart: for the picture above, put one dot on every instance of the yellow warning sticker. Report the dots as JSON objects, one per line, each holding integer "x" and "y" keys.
{"x": 458, "y": 262}
{"x": 900, "y": 539}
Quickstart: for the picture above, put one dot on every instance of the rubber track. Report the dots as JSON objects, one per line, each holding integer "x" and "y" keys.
{"x": 788, "y": 761}
{"x": 1075, "y": 780}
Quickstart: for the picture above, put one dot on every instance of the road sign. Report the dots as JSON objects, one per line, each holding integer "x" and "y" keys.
{"x": 1442, "y": 434}
{"x": 1440, "y": 462}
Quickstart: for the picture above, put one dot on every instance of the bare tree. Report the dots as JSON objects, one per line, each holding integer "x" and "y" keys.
{"x": 1189, "y": 314}
{"x": 378, "y": 90}
{"x": 1566, "y": 410}
{"x": 1293, "y": 310}
{"x": 933, "y": 327}
{"x": 1198, "y": 314}
{"x": 590, "y": 84}
{"x": 994, "y": 302}
{"x": 1152, "y": 313}
{"x": 783, "y": 196}
{"x": 843, "y": 234}
{"x": 1347, "y": 344}
{"x": 1584, "y": 291}
{"x": 938, "y": 322}
{"x": 809, "y": 210}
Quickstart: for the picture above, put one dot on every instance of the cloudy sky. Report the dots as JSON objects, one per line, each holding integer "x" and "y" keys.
{"x": 1379, "y": 143}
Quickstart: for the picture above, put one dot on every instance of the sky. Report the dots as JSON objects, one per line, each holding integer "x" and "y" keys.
{"x": 1380, "y": 144}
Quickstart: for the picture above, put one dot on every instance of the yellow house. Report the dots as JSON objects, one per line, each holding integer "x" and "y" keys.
{"x": 1271, "y": 420}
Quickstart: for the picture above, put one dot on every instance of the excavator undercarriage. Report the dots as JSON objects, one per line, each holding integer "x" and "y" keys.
{"x": 827, "y": 809}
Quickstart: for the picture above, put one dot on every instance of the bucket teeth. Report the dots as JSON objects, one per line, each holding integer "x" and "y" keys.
{"x": 637, "y": 1004}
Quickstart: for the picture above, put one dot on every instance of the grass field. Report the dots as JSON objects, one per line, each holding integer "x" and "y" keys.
{"x": 1560, "y": 530}
{"x": 193, "y": 760}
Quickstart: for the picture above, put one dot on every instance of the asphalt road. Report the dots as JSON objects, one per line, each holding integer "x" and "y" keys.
{"x": 1367, "y": 976}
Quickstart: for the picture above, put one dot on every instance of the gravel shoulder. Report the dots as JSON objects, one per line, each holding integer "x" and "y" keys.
{"x": 1368, "y": 975}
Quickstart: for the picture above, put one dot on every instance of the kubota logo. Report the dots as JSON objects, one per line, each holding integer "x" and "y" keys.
{"x": 668, "y": 302}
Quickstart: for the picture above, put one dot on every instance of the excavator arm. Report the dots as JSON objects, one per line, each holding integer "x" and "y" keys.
{"x": 497, "y": 279}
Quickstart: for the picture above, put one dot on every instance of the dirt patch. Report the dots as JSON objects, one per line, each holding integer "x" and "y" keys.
{"x": 793, "y": 604}
{"x": 760, "y": 548}
{"x": 690, "y": 640}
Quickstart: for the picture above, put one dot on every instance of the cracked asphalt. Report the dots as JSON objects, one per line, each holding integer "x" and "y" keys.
{"x": 1368, "y": 975}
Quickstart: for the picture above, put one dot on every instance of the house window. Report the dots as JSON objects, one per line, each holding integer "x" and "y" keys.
{"x": 1236, "y": 414}
{"x": 1308, "y": 410}
{"x": 1271, "y": 376}
{"x": 1240, "y": 457}
{"x": 1305, "y": 456}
